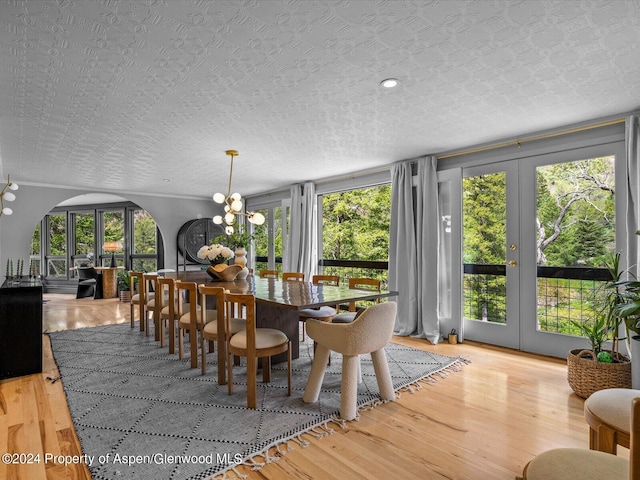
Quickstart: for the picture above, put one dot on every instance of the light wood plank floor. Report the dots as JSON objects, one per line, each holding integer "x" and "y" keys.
{"x": 484, "y": 422}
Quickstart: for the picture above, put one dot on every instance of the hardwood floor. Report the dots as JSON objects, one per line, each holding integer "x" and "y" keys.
{"x": 483, "y": 422}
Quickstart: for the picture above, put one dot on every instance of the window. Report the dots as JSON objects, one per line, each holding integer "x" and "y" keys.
{"x": 144, "y": 242}
{"x": 355, "y": 232}
{"x": 83, "y": 238}
{"x": 56, "y": 254}
{"x": 76, "y": 235}
{"x": 112, "y": 231}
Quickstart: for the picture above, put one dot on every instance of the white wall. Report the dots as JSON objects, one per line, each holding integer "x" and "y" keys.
{"x": 33, "y": 203}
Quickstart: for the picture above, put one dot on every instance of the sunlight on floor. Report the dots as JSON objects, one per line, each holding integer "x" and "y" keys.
{"x": 64, "y": 311}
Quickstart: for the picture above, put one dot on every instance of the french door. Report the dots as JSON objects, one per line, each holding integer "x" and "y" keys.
{"x": 490, "y": 254}
{"x": 534, "y": 231}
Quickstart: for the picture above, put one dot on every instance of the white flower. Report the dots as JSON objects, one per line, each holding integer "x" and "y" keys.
{"x": 215, "y": 252}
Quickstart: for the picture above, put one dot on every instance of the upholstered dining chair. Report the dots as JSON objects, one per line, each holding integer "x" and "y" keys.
{"x": 269, "y": 274}
{"x": 292, "y": 277}
{"x": 324, "y": 313}
{"x": 170, "y": 305}
{"x": 370, "y": 332}
{"x": 213, "y": 330}
{"x": 136, "y": 288}
{"x": 608, "y": 415}
{"x": 150, "y": 287}
{"x": 576, "y": 463}
{"x": 359, "y": 284}
{"x": 253, "y": 343}
{"x": 190, "y": 320}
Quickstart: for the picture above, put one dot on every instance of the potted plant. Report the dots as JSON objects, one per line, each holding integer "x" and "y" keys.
{"x": 124, "y": 282}
{"x": 598, "y": 368}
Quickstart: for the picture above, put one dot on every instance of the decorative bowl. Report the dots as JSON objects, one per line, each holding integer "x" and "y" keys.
{"x": 224, "y": 272}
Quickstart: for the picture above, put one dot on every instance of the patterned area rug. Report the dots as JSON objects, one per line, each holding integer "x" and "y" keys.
{"x": 142, "y": 413}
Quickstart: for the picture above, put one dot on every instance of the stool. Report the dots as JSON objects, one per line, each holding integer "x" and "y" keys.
{"x": 608, "y": 414}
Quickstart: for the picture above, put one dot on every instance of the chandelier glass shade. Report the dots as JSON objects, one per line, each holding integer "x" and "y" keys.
{"x": 7, "y": 196}
{"x": 233, "y": 205}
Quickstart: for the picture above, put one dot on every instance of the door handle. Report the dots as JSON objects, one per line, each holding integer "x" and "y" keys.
{"x": 513, "y": 263}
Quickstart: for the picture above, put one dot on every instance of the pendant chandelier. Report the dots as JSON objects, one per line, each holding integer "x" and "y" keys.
{"x": 6, "y": 195}
{"x": 233, "y": 204}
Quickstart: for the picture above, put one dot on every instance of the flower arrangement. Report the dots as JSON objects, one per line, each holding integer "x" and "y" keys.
{"x": 215, "y": 253}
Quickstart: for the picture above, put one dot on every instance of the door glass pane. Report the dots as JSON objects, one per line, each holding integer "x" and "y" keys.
{"x": 261, "y": 242}
{"x": 484, "y": 247}
{"x": 575, "y": 220}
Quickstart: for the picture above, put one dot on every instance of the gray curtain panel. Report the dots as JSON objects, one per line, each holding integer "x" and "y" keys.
{"x": 413, "y": 249}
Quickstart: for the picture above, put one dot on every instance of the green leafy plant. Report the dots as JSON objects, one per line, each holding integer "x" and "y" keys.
{"x": 241, "y": 238}
{"x": 124, "y": 281}
{"x": 597, "y": 332}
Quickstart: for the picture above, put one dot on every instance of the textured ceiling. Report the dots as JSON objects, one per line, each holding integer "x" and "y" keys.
{"x": 145, "y": 96}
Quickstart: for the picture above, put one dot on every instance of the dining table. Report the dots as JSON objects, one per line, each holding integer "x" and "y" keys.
{"x": 277, "y": 305}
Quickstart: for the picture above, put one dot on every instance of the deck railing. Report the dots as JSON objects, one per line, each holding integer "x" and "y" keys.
{"x": 564, "y": 294}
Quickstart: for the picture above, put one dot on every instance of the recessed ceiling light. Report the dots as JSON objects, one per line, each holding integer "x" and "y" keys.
{"x": 389, "y": 83}
{"x": 166, "y": 180}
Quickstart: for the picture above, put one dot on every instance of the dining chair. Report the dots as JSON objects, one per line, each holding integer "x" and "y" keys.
{"x": 269, "y": 274}
{"x": 359, "y": 284}
{"x": 89, "y": 283}
{"x": 370, "y": 332}
{"x": 136, "y": 289}
{"x": 292, "y": 277}
{"x": 572, "y": 463}
{"x": 170, "y": 307}
{"x": 608, "y": 415}
{"x": 324, "y": 313}
{"x": 253, "y": 343}
{"x": 190, "y": 320}
{"x": 150, "y": 288}
{"x": 213, "y": 330}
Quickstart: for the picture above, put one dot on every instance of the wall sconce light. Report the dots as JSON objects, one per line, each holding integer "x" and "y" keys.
{"x": 233, "y": 204}
{"x": 6, "y": 195}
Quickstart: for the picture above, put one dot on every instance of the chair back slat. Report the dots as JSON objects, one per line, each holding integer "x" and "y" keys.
{"x": 292, "y": 277}
{"x": 269, "y": 274}
{"x": 333, "y": 280}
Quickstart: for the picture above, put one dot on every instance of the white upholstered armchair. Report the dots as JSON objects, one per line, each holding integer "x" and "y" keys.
{"x": 368, "y": 333}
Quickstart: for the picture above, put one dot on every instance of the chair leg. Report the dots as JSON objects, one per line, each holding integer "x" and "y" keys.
{"x": 252, "y": 366}
{"x": 349, "y": 386}
{"x": 607, "y": 441}
{"x": 229, "y": 374}
{"x": 381, "y": 368}
{"x": 132, "y": 314}
{"x": 316, "y": 376}
{"x": 266, "y": 369}
{"x": 142, "y": 315}
{"x": 180, "y": 343}
{"x": 289, "y": 368}
{"x": 203, "y": 355}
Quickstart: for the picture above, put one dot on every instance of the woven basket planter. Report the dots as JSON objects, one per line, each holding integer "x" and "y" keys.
{"x": 125, "y": 296}
{"x": 586, "y": 375}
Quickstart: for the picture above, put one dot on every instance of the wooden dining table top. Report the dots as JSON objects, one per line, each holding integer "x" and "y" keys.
{"x": 289, "y": 294}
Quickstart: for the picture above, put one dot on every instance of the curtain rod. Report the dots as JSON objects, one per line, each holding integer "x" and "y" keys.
{"x": 531, "y": 139}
